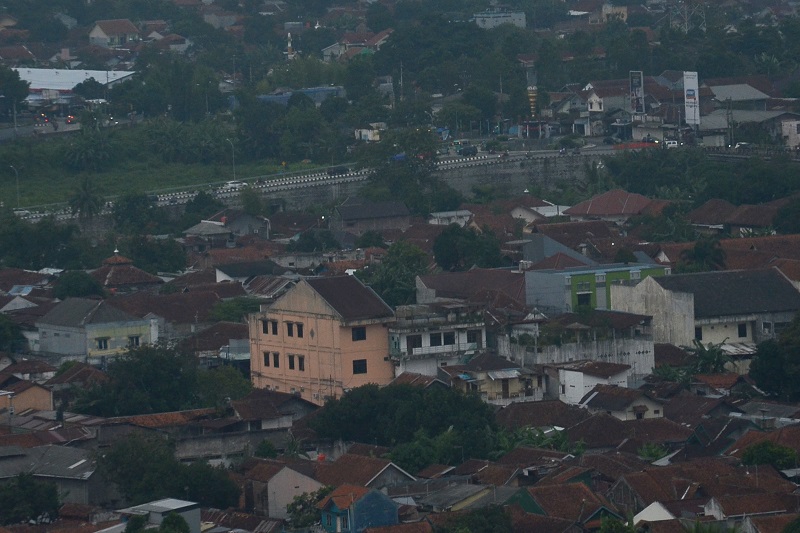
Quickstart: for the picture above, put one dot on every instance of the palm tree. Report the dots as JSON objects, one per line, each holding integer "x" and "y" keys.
{"x": 86, "y": 201}
{"x": 709, "y": 359}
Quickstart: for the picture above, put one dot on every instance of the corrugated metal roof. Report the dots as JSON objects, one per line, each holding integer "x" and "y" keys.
{"x": 504, "y": 374}
{"x": 738, "y": 93}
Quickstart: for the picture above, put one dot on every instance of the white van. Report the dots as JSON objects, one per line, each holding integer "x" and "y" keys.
{"x": 671, "y": 144}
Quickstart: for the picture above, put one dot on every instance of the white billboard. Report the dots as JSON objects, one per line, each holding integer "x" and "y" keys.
{"x": 691, "y": 98}
{"x": 637, "y": 92}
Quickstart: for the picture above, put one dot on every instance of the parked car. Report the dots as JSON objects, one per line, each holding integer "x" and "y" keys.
{"x": 469, "y": 150}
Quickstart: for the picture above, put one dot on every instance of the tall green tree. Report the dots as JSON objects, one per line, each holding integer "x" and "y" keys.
{"x": 26, "y": 499}
{"x": 235, "y": 309}
{"x": 706, "y": 254}
{"x": 11, "y": 337}
{"x": 77, "y": 283}
{"x": 403, "y": 411}
{"x": 86, "y": 200}
{"x": 144, "y": 468}
{"x": 303, "y": 511}
{"x": 776, "y": 367}
{"x": 458, "y": 248}
{"x": 394, "y": 279}
{"x": 13, "y": 89}
{"x": 770, "y": 453}
{"x": 135, "y": 213}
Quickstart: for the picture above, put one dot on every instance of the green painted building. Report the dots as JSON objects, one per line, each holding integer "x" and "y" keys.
{"x": 572, "y": 289}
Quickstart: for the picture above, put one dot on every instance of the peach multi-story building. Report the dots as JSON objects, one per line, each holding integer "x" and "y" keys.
{"x": 321, "y": 338}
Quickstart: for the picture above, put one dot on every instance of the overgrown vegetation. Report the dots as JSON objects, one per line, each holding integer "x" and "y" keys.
{"x": 26, "y": 499}
{"x": 157, "y": 379}
{"x": 144, "y": 468}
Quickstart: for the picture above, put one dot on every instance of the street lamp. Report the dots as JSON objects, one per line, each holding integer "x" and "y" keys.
{"x": 233, "y": 158}
{"x": 17, "y": 176}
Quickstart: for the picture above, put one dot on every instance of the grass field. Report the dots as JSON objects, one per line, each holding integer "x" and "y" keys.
{"x": 45, "y": 178}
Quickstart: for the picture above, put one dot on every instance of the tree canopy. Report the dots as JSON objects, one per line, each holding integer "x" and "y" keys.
{"x": 394, "y": 415}
{"x": 775, "y": 367}
{"x": 394, "y": 279}
{"x": 144, "y": 468}
{"x": 458, "y": 248}
{"x": 26, "y": 499}
{"x": 157, "y": 379}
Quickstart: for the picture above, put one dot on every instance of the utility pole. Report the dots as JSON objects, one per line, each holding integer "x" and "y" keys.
{"x": 233, "y": 158}
{"x": 16, "y": 173}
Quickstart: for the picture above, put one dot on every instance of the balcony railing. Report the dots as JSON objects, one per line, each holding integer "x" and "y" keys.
{"x": 424, "y": 351}
{"x": 536, "y": 396}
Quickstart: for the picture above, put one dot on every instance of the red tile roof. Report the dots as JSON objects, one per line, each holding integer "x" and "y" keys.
{"x": 541, "y": 414}
{"x": 215, "y": 337}
{"x": 558, "y": 261}
{"x": 466, "y": 284}
{"x": 164, "y": 420}
{"x": 572, "y": 501}
{"x": 343, "y": 496}
{"x": 713, "y": 212}
{"x": 413, "y": 527}
{"x": 176, "y": 308}
{"x": 751, "y": 504}
{"x": 788, "y": 436}
{"x": 612, "y": 203}
{"x": 82, "y": 374}
{"x": 117, "y": 26}
{"x": 123, "y": 275}
{"x": 773, "y": 524}
{"x": 350, "y": 298}
{"x": 348, "y": 468}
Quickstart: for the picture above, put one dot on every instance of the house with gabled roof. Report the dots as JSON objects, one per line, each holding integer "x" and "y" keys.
{"x": 575, "y": 379}
{"x": 78, "y": 376}
{"x": 690, "y": 409}
{"x": 615, "y": 206}
{"x": 358, "y": 217}
{"x": 703, "y": 478}
{"x": 497, "y": 380}
{"x": 710, "y": 217}
{"x": 477, "y": 284}
{"x": 734, "y": 508}
{"x": 322, "y": 337}
{"x": 115, "y": 33}
{"x": 119, "y": 275}
{"x": 72, "y": 470}
{"x": 569, "y": 501}
{"x": 372, "y": 472}
{"x": 23, "y": 395}
{"x": 173, "y": 316}
{"x": 355, "y": 508}
{"x": 768, "y": 523}
{"x": 263, "y": 409}
{"x": 541, "y": 415}
{"x": 272, "y": 484}
{"x": 247, "y": 270}
{"x": 622, "y": 403}
{"x": 737, "y": 309}
{"x": 82, "y": 328}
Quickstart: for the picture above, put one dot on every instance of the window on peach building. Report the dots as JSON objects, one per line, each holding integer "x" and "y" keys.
{"x": 359, "y": 333}
{"x": 360, "y": 366}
